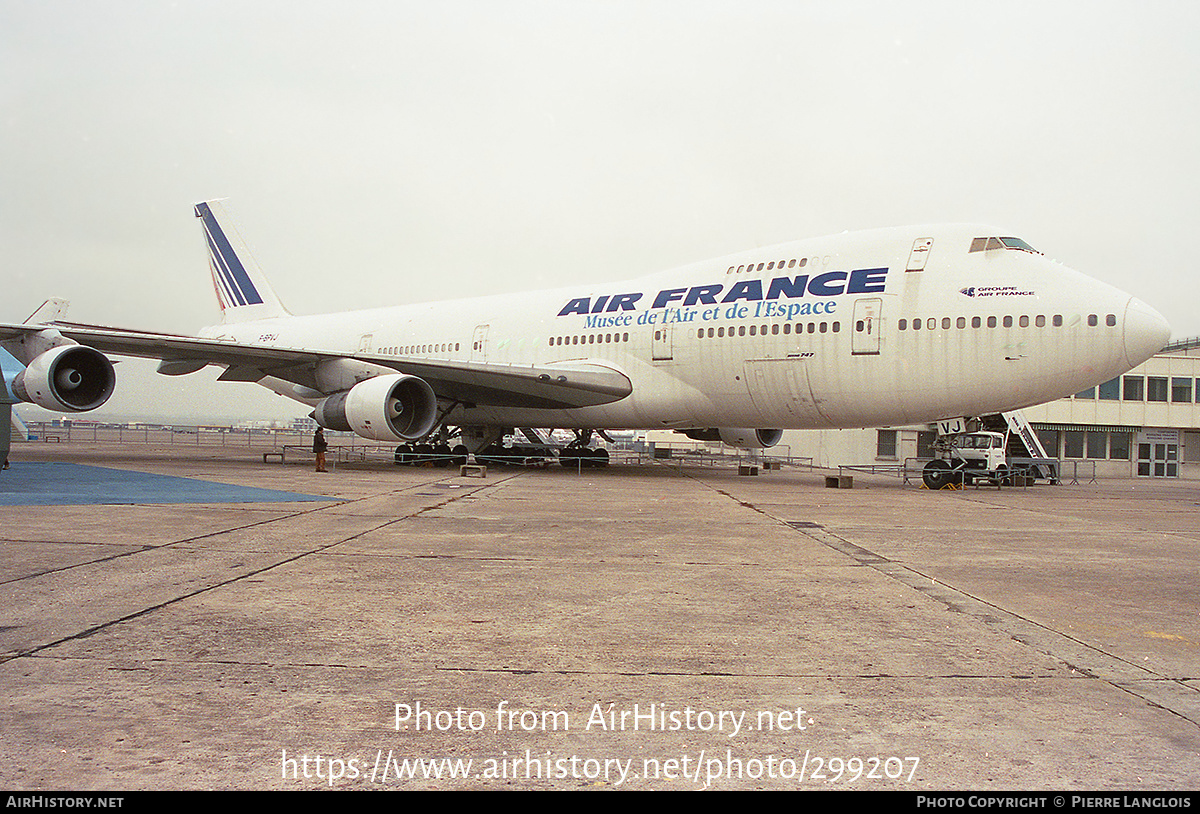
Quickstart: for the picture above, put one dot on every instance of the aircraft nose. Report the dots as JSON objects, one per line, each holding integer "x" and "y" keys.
{"x": 1146, "y": 332}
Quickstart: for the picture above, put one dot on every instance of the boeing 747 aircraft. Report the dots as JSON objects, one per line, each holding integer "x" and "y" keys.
{"x": 887, "y": 327}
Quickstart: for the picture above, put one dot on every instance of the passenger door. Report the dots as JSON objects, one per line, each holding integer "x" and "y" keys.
{"x": 479, "y": 344}
{"x": 867, "y": 322}
{"x": 660, "y": 345}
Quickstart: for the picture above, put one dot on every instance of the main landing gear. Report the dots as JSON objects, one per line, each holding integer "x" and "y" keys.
{"x": 438, "y": 455}
{"x": 489, "y": 445}
{"x": 578, "y": 454}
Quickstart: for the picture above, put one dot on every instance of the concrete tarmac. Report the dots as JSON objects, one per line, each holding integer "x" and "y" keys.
{"x": 642, "y": 627}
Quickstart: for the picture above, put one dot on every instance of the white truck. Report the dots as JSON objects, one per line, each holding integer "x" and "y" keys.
{"x": 964, "y": 458}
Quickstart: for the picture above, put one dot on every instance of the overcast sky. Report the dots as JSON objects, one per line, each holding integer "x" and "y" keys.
{"x": 392, "y": 152}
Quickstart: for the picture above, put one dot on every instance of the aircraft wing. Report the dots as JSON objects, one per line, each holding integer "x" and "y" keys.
{"x": 556, "y": 386}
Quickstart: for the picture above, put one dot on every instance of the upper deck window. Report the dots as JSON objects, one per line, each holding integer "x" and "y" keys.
{"x": 981, "y": 244}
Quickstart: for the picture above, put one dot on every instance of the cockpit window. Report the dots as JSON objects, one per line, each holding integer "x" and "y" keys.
{"x": 981, "y": 244}
{"x": 1017, "y": 243}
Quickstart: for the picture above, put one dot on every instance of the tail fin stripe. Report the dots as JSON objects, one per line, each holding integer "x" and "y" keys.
{"x": 233, "y": 294}
{"x": 227, "y": 260}
{"x": 224, "y": 295}
{"x": 242, "y": 290}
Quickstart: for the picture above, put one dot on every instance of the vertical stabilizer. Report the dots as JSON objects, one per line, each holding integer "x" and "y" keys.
{"x": 242, "y": 291}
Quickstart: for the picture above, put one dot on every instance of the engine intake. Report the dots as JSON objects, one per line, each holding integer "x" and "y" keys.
{"x": 738, "y": 437}
{"x": 68, "y": 378}
{"x": 383, "y": 408}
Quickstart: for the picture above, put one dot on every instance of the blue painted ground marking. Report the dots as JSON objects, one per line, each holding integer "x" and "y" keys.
{"x": 67, "y": 484}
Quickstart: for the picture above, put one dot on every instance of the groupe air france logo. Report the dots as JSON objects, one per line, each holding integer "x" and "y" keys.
{"x": 996, "y": 291}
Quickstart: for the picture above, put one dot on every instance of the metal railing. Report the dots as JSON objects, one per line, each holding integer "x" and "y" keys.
{"x": 349, "y": 448}
{"x": 165, "y": 434}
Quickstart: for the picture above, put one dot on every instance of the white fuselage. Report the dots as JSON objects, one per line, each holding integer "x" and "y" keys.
{"x": 887, "y": 327}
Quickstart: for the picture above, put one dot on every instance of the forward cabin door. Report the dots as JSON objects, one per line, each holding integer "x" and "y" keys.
{"x": 867, "y": 324}
{"x": 479, "y": 344}
{"x": 661, "y": 348}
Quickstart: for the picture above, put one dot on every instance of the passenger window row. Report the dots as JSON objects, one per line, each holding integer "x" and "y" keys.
{"x": 773, "y": 264}
{"x": 1039, "y": 321}
{"x": 589, "y": 339}
{"x": 410, "y": 350}
{"x": 763, "y": 330}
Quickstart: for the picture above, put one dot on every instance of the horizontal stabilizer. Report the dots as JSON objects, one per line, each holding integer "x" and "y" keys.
{"x": 49, "y": 311}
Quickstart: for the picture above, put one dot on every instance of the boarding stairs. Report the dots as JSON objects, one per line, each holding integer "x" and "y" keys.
{"x": 1024, "y": 449}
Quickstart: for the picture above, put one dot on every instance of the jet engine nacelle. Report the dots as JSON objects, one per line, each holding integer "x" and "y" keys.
{"x": 383, "y": 408}
{"x": 737, "y": 437}
{"x": 67, "y": 378}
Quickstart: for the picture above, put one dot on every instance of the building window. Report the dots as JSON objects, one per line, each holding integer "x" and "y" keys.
{"x": 1119, "y": 445}
{"x": 1191, "y": 447}
{"x": 1049, "y": 441}
{"x": 1133, "y": 388}
{"x": 885, "y": 444}
{"x": 925, "y": 440}
{"x": 1073, "y": 443}
{"x": 1097, "y": 444}
{"x": 1181, "y": 390}
{"x": 1111, "y": 390}
{"x": 1156, "y": 388}
{"x": 1090, "y": 393}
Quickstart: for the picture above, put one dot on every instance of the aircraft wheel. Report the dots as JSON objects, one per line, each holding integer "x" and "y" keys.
{"x": 404, "y": 455}
{"x": 461, "y": 455}
{"x": 441, "y": 455}
{"x": 599, "y": 457}
{"x": 937, "y": 474}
